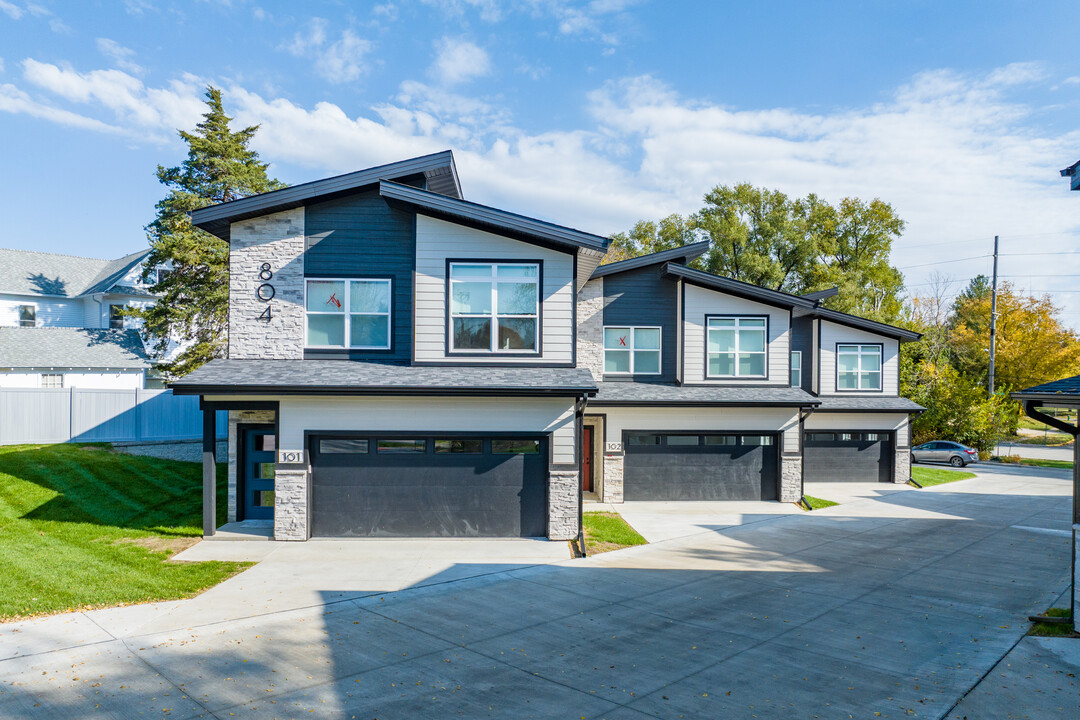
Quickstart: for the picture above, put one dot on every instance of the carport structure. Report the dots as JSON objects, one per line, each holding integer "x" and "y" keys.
{"x": 1064, "y": 394}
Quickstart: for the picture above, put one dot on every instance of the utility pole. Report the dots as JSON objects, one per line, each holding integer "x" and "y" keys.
{"x": 993, "y": 316}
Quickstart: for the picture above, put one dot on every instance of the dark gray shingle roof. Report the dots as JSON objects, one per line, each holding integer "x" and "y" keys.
{"x": 832, "y": 403}
{"x": 639, "y": 393}
{"x": 348, "y": 377}
{"x": 71, "y": 347}
{"x": 1066, "y": 389}
{"x": 26, "y": 272}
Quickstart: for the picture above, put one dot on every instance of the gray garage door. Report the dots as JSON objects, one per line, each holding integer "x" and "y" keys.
{"x": 429, "y": 486}
{"x": 847, "y": 456}
{"x": 692, "y": 466}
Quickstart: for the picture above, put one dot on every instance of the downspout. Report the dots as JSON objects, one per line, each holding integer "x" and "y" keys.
{"x": 803, "y": 414}
{"x": 579, "y": 417}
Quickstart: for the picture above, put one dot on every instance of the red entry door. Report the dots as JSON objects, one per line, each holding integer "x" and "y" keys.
{"x": 586, "y": 459}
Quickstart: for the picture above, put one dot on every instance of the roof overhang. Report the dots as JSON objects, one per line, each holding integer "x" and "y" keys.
{"x": 686, "y": 253}
{"x": 737, "y": 287}
{"x": 438, "y": 171}
{"x": 878, "y": 328}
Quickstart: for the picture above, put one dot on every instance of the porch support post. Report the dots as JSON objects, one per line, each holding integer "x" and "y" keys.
{"x": 209, "y": 471}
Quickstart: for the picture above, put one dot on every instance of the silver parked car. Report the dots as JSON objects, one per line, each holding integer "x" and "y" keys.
{"x": 944, "y": 451}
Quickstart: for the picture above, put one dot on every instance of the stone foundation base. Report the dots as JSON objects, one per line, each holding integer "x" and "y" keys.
{"x": 290, "y": 504}
{"x": 563, "y": 495}
{"x": 790, "y": 478}
{"x": 902, "y": 468}
{"x": 613, "y": 479}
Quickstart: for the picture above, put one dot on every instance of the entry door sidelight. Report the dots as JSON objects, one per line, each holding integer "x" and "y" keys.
{"x": 258, "y": 468}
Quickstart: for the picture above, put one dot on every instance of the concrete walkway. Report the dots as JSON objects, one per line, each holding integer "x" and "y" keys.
{"x": 897, "y": 605}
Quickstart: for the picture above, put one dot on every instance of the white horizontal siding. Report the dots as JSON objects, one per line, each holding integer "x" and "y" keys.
{"x": 701, "y": 302}
{"x": 833, "y": 334}
{"x": 431, "y": 415}
{"x": 50, "y": 312}
{"x": 664, "y": 419}
{"x": 889, "y": 422}
{"x": 437, "y": 241}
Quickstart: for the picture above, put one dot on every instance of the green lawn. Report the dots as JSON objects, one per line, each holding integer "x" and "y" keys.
{"x": 1043, "y": 629}
{"x": 82, "y": 527}
{"x": 606, "y": 531}
{"x": 926, "y": 476}
{"x": 818, "y": 503}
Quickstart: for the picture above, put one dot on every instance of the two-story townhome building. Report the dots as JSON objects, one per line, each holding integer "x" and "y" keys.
{"x": 61, "y": 321}
{"x": 715, "y": 389}
{"x": 403, "y": 362}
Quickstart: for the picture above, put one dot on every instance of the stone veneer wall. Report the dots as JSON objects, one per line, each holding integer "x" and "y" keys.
{"x": 245, "y": 417}
{"x": 613, "y": 478}
{"x": 590, "y": 329}
{"x": 790, "y": 478}
{"x": 290, "y": 503}
{"x": 278, "y": 240}
{"x": 563, "y": 495}
{"x": 902, "y": 469}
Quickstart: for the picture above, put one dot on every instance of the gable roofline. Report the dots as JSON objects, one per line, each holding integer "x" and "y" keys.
{"x": 438, "y": 168}
{"x": 684, "y": 252}
{"x": 820, "y": 295}
{"x": 114, "y": 272}
{"x": 879, "y": 328}
{"x": 737, "y": 287}
{"x": 483, "y": 217}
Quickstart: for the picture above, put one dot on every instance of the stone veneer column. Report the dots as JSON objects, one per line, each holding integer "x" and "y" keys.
{"x": 613, "y": 478}
{"x": 902, "y": 468}
{"x": 238, "y": 417}
{"x": 790, "y": 478}
{"x": 563, "y": 494}
{"x": 290, "y": 504}
{"x": 278, "y": 240}
{"x": 590, "y": 329}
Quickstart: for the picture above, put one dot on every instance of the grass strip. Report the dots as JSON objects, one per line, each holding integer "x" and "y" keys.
{"x": 607, "y": 531}
{"x": 938, "y": 476}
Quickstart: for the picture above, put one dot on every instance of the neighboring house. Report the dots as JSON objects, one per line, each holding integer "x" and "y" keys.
{"x": 406, "y": 363}
{"x": 60, "y": 305}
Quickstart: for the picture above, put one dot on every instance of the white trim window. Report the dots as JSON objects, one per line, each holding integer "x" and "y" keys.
{"x": 116, "y": 317}
{"x": 858, "y": 367}
{"x": 52, "y": 381}
{"x": 347, "y": 313}
{"x": 736, "y": 347}
{"x": 494, "y": 308}
{"x": 632, "y": 351}
{"x": 796, "y": 368}
{"x": 27, "y": 316}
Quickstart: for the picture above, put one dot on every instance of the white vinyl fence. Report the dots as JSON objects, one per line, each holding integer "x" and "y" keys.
{"x": 82, "y": 415}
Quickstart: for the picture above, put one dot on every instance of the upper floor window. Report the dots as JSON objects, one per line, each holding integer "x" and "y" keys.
{"x": 736, "y": 347}
{"x": 494, "y": 307}
{"x": 348, "y": 314}
{"x": 796, "y": 368}
{"x": 116, "y": 317}
{"x": 631, "y": 350}
{"x": 858, "y": 367}
{"x": 52, "y": 381}
{"x": 163, "y": 274}
{"x": 27, "y": 316}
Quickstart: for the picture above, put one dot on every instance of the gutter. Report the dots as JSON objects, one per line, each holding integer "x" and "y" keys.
{"x": 579, "y": 416}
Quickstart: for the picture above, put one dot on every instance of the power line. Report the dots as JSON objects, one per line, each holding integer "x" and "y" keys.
{"x": 943, "y": 262}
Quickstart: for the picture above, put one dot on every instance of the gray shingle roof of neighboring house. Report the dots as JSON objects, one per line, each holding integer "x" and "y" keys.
{"x": 71, "y": 347}
{"x": 26, "y": 272}
{"x": 335, "y": 377}
{"x": 639, "y": 393}
{"x": 1064, "y": 390}
{"x": 867, "y": 404}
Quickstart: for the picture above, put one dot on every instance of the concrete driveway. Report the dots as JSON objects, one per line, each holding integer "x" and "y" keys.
{"x": 896, "y": 604}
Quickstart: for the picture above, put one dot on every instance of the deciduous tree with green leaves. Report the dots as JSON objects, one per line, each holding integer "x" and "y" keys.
{"x": 193, "y": 304}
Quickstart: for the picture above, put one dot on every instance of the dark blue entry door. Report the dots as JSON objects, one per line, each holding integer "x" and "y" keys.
{"x": 258, "y": 469}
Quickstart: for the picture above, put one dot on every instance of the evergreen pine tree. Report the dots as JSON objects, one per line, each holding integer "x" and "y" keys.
{"x": 193, "y": 304}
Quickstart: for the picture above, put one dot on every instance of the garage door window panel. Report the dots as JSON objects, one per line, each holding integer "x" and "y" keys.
{"x": 511, "y": 446}
{"x": 736, "y": 347}
{"x": 345, "y": 446}
{"x": 401, "y": 445}
{"x": 494, "y": 308}
{"x": 470, "y": 446}
{"x": 858, "y": 367}
{"x": 632, "y": 350}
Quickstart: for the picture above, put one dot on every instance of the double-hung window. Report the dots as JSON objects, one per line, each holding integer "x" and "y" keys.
{"x": 352, "y": 314}
{"x": 858, "y": 367}
{"x": 796, "y": 368}
{"x": 736, "y": 347}
{"x": 494, "y": 308}
{"x": 631, "y": 351}
{"x": 116, "y": 317}
{"x": 27, "y": 316}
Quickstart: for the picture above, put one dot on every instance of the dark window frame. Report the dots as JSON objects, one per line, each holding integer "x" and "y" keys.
{"x": 736, "y": 378}
{"x": 881, "y": 370}
{"x": 448, "y": 317}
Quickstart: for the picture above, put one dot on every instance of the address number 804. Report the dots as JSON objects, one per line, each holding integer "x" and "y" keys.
{"x": 265, "y": 291}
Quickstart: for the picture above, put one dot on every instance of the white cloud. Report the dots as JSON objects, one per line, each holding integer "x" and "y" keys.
{"x": 119, "y": 54}
{"x": 11, "y": 10}
{"x": 339, "y": 61}
{"x": 489, "y": 10}
{"x": 457, "y": 60}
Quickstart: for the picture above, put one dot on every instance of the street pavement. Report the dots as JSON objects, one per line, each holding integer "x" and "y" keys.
{"x": 889, "y": 605}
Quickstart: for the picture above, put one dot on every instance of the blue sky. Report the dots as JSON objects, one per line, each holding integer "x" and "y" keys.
{"x": 593, "y": 114}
